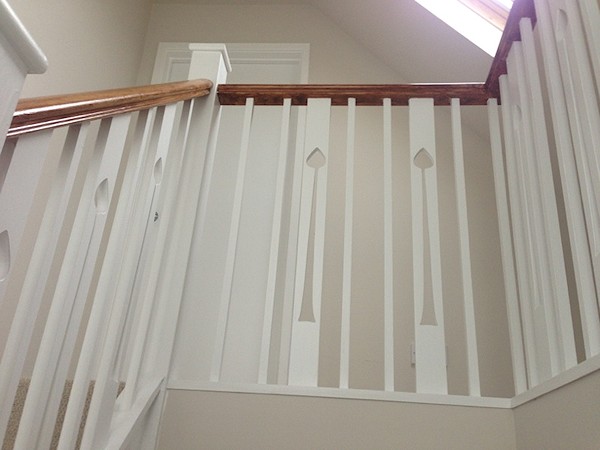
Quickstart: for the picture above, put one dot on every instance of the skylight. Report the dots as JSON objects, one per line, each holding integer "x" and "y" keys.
{"x": 480, "y": 21}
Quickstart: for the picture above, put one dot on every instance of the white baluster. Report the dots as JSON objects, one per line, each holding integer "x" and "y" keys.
{"x": 584, "y": 114}
{"x": 304, "y": 347}
{"x": 71, "y": 292}
{"x": 430, "y": 343}
{"x": 587, "y": 289}
{"x": 348, "y": 235}
{"x": 542, "y": 152}
{"x": 292, "y": 251}
{"x": 70, "y": 168}
{"x": 99, "y": 315}
{"x": 217, "y": 361}
{"x": 525, "y": 273}
{"x": 388, "y": 248}
{"x": 465, "y": 251}
{"x": 275, "y": 239}
{"x": 506, "y": 248}
{"x": 19, "y": 194}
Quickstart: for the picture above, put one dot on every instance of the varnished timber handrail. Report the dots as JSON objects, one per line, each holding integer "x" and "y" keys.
{"x": 42, "y": 113}
{"x": 511, "y": 33}
{"x": 365, "y": 95}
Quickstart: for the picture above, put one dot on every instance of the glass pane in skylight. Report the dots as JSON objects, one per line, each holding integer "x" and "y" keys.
{"x": 467, "y": 22}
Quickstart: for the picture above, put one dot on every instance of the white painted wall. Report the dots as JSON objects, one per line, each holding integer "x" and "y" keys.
{"x": 567, "y": 418}
{"x": 209, "y": 420}
{"x": 336, "y": 58}
{"x": 92, "y": 44}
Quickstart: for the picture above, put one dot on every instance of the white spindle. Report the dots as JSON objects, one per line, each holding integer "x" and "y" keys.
{"x": 105, "y": 389}
{"x": 34, "y": 284}
{"x": 525, "y": 274}
{"x": 584, "y": 116}
{"x": 590, "y": 13}
{"x": 147, "y": 280}
{"x": 430, "y": 343}
{"x": 582, "y": 262}
{"x": 555, "y": 299}
{"x": 465, "y": 251}
{"x": 506, "y": 248}
{"x": 304, "y": 347}
{"x": 71, "y": 292}
{"x": 348, "y": 234}
{"x": 275, "y": 239}
{"x": 99, "y": 315}
{"x": 292, "y": 251}
{"x": 18, "y": 195}
{"x": 542, "y": 156}
{"x": 388, "y": 248}
{"x": 217, "y": 361}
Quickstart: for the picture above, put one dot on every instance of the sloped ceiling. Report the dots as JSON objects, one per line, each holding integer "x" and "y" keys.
{"x": 420, "y": 47}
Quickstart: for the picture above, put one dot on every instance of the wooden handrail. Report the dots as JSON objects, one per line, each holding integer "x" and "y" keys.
{"x": 42, "y": 113}
{"x": 520, "y": 9}
{"x": 365, "y": 95}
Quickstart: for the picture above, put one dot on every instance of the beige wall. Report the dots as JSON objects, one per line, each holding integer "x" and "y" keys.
{"x": 566, "y": 419}
{"x": 334, "y": 56}
{"x": 90, "y": 44}
{"x": 208, "y": 420}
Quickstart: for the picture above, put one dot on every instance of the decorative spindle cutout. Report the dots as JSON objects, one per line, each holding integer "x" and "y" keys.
{"x": 562, "y": 25}
{"x": 424, "y": 161}
{"x": 4, "y": 255}
{"x": 316, "y": 159}
{"x": 158, "y": 171}
{"x": 101, "y": 197}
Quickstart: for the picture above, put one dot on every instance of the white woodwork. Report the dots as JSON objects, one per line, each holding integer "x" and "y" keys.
{"x": 304, "y": 346}
{"x": 545, "y": 314}
{"x": 105, "y": 291}
{"x": 292, "y": 251}
{"x": 234, "y": 229}
{"x": 71, "y": 292}
{"x": 506, "y": 248}
{"x": 388, "y": 244}
{"x": 465, "y": 250}
{"x": 40, "y": 265}
{"x": 583, "y": 112}
{"x": 19, "y": 55}
{"x": 19, "y": 192}
{"x": 430, "y": 343}
{"x": 531, "y": 81}
{"x": 348, "y": 235}
{"x": 584, "y": 275}
{"x": 525, "y": 273}
{"x": 590, "y": 13}
{"x": 275, "y": 240}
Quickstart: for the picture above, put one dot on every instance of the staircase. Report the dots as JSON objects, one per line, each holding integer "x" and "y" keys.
{"x": 141, "y": 240}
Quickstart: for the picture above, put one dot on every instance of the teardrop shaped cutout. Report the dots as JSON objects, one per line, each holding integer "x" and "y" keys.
{"x": 423, "y": 159}
{"x": 158, "y": 171}
{"x": 101, "y": 197}
{"x": 4, "y": 255}
{"x": 316, "y": 159}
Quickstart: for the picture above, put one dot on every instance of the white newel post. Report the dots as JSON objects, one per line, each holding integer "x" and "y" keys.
{"x": 19, "y": 56}
{"x": 187, "y": 203}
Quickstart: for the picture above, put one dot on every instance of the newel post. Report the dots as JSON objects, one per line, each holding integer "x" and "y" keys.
{"x": 208, "y": 61}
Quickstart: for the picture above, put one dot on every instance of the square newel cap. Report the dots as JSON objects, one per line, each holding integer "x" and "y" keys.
{"x": 220, "y": 48}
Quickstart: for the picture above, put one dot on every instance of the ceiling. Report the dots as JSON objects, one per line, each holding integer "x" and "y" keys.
{"x": 419, "y": 46}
